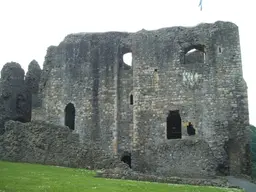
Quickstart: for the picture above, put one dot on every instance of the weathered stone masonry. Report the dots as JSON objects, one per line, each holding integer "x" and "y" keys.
{"x": 87, "y": 70}
{"x": 204, "y": 93}
{"x": 124, "y": 109}
{"x": 14, "y": 98}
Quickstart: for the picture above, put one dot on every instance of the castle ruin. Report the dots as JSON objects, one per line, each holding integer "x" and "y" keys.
{"x": 138, "y": 113}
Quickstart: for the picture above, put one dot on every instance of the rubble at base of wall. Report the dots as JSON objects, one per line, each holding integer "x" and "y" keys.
{"x": 42, "y": 143}
{"x": 128, "y": 174}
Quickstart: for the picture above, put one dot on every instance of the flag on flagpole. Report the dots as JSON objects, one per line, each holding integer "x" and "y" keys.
{"x": 201, "y": 5}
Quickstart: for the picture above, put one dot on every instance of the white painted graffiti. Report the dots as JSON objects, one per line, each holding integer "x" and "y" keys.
{"x": 190, "y": 79}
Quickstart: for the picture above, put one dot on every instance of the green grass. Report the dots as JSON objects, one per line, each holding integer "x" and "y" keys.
{"x": 24, "y": 177}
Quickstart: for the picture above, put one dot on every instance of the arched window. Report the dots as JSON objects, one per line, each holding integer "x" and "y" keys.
{"x": 127, "y": 58}
{"x": 194, "y": 54}
{"x": 70, "y": 116}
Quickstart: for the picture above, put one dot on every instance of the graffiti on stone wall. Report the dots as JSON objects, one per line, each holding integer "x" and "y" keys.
{"x": 191, "y": 79}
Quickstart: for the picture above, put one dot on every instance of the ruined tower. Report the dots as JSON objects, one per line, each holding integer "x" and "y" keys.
{"x": 194, "y": 72}
{"x": 32, "y": 80}
{"x": 139, "y": 113}
{"x": 206, "y": 87}
{"x": 14, "y": 98}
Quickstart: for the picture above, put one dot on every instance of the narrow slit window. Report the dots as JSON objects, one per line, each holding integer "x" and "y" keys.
{"x": 131, "y": 99}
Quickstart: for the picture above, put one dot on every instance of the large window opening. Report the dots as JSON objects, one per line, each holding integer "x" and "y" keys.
{"x": 126, "y": 158}
{"x": 127, "y": 58}
{"x": 174, "y": 125}
{"x": 194, "y": 54}
{"x": 70, "y": 116}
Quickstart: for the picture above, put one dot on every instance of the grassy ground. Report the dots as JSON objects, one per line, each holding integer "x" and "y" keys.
{"x": 28, "y": 178}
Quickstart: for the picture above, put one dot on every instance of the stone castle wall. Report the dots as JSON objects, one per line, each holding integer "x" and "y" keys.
{"x": 204, "y": 93}
{"x": 87, "y": 70}
{"x": 206, "y": 86}
{"x": 39, "y": 142}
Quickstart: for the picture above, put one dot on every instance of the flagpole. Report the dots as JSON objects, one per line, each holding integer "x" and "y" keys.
{"x": 201, "y": 5}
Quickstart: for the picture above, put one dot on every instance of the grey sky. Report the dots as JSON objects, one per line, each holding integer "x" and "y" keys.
{"x": 28, "y": 27}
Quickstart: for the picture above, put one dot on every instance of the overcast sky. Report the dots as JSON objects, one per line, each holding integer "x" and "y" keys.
{"x": 28, "y": 27}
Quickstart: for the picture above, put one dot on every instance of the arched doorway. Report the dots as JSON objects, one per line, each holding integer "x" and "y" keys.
{"x": 174, "y": 125}
{"x": 70, "y": 116}
{"x": 126, "y": 158}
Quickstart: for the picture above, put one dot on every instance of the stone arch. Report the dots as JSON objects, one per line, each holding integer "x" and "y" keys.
{"x": 70, "y": 116}
{"x": 194, "y": 54}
